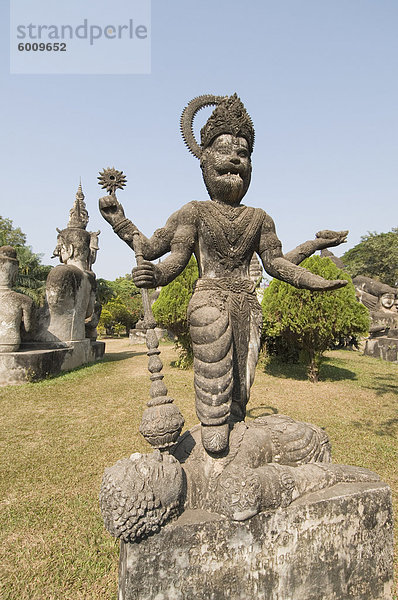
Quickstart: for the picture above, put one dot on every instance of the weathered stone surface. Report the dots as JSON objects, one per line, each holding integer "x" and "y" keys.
{"x": 330, "y": 545}
{"x": 61, "y": 334}
{"x": 383, "y": 347}
{"x": 382, "y": 302}
{"x": 34, "y": 364}
{"x": 71, "y": 286}
{"x": 15, "y": 309}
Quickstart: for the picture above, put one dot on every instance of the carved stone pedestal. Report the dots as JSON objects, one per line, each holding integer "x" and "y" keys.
{"x": 329, "y": 545}
{"x": 38, "y": 362}
{"x": 383, "y": 347}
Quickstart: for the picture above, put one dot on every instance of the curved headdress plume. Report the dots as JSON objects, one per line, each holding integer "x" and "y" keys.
{"x": 229, "y": 116}
{"x": 78, "y": 215}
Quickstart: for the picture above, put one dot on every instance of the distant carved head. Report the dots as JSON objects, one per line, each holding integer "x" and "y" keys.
{"x": 375, "y": 294}
{"x": 8, "y": 266}
{"x": 73, "y": 244}
{"x": 227, "y": 141}
{"x": 389, "y": 301}
{"x": 139, "y": 494}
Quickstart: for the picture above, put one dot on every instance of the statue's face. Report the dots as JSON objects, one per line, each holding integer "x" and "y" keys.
{"x": 389, "y": 301}
{"x": 226, "y": 167}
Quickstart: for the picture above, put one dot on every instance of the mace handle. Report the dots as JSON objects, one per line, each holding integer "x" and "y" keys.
{"x": 149, "y": 319}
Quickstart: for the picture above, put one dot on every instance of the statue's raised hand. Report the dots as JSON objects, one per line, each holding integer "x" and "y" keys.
{"x": 111, "y": 209}
{"x": 144, "y": 276}
{"x": 332, "y": 238}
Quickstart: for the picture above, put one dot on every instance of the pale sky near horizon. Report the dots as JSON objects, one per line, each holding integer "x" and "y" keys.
{"x": 318, "y": 77}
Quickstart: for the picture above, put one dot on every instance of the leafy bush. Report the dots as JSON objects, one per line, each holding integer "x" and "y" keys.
{"x": 311, "y": 322}
{"x": 122, "y": 305}
{"x": 170, "y": 311}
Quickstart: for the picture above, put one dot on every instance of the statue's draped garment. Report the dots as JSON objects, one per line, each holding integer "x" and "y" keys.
{"x": 224, "y": 315}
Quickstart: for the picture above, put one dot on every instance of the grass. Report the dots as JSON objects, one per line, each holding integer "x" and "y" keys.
{"x": 57, "y": 436}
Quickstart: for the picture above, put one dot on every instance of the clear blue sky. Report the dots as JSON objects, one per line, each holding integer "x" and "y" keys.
{"x": 318, "y": 77}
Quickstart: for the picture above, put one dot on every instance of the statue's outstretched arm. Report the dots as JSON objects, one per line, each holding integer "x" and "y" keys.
{"x": 181, "y": 247}
{"x": 324, "y": 239}
{"x": 270, "y": 251}
{"x": 152, "y": 248}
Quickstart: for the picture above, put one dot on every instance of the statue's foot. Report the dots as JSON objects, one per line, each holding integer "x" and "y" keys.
{"x": 215, "y": 438}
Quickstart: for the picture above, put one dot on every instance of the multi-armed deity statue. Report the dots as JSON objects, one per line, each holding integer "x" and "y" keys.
{"x": 224, "y": 314}
{"x": 224, "y": 470}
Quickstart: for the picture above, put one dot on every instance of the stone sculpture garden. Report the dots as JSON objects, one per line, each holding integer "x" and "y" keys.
{"x": 233, "y": 507}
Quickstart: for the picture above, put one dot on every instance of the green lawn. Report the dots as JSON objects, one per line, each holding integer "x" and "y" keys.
{"x": 57, "y": 436}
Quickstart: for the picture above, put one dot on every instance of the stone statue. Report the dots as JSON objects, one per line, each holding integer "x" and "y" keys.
{"x": 15, "y": 309}
{"x": 71, "y": 286}
{"x": 255, "y": 505}
{"x": 224, "y": 314}
{"x": 381, "y": 300}
{"x": 382, "y": 303}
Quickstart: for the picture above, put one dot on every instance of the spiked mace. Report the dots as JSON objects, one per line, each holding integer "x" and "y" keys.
{"x": 161, "y": 421}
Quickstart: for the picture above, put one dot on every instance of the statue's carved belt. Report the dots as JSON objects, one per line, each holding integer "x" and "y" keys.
{"x": 226, "y": 284}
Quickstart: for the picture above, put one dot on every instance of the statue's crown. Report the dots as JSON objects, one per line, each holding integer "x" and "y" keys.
{"x": 229, "y": 116}
{"x": 78, "y": 215}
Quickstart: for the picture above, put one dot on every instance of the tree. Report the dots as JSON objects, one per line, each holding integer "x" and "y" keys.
{"x": 32, "y": 274}
{"x": 10, "y": 235}
{"x": 122, "y": 304}
{"x": 105, "y": 291}
{"x": 170, "y": 310}
{"x": 375, "y": 256}
{"x": 313, "y": 321}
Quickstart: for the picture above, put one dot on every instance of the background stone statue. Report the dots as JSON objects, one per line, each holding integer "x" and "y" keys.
{"x": 381, "y": 300}
{"x": 71, "y": 286}
{"x": 15, "y": 309}
{"x": 224, "y": 314}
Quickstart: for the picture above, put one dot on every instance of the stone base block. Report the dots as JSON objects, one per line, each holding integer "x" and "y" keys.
{"x": 382, "y": 347}
{"x": 330, "y": 545}
{"x": 32, "y": 364}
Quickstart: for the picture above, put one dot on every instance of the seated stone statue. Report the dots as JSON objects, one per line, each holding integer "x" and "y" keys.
{"x": 224, "y": 314}
{"x": 15, "y": 309}
{"x": 272, "y": 461}
{"x": 71, "y": 286}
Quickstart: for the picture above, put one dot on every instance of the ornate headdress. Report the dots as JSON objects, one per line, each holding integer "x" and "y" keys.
{"x": 229, "y": 116}
{"x": 78, "y": 215}
{"x": 75, "y": 232}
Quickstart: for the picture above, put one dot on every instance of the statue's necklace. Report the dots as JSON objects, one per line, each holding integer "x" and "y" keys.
{"x": 230, "y": 212}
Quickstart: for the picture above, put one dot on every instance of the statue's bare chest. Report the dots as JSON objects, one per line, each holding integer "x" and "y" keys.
{"x": 229, "y": 232}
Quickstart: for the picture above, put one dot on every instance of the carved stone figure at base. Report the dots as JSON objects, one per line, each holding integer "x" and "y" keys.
{"x": 271, "y": 462}
{"x": 15, "y": 309}
{"x": 224, "y": 314}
